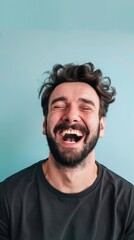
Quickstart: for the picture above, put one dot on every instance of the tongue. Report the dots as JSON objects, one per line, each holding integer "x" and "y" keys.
{"x": 70, "y": 138}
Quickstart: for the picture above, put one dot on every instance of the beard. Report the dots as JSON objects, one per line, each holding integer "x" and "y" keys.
{"x": 68, "y": 157}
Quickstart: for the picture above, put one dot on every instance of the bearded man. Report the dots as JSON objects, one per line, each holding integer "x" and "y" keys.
{"x": 70, "y": 195}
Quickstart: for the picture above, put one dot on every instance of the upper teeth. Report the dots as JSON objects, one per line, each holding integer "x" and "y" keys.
{"x": 71, "y": 131}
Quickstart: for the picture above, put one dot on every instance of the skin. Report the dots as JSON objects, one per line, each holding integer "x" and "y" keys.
{"x": 74, "y": 103}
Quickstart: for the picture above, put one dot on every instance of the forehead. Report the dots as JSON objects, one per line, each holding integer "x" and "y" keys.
{"x": 74, "y": 91}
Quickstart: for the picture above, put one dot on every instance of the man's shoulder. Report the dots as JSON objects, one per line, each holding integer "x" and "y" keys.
{"x": 115, "y": 181}
{"x": 26, "y": 172}
{"x": 21, "y": 178}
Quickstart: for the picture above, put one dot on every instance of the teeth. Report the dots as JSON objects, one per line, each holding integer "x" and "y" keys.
{"x": 71, "y": 131}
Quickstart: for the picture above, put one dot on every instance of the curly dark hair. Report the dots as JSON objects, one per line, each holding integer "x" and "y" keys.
{"x": 78, "y": 73}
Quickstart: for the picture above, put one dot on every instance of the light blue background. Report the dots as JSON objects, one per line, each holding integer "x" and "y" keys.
{"x": 36, "y": 34}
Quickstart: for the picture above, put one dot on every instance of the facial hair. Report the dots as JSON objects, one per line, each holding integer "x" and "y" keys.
{"x": 68, "y": 157}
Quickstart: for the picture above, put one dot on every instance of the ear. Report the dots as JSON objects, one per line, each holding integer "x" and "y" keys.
{"x": 44, "y": 126}
{"x": 102, "y": 127}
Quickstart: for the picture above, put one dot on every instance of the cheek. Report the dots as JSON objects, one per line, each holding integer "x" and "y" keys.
{"x": 52, "y": 120}
{"x": 92, "y": 121}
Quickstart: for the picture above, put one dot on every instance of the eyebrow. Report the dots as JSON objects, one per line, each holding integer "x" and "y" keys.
{"x": 84, "y": 100}
{"x": 58, "y": 99}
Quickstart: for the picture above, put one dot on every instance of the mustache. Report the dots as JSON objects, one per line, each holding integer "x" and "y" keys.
{"x": 65, "y": 126}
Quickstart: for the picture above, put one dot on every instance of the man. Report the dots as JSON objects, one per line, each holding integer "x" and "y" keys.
{"x": 69, "y": 196}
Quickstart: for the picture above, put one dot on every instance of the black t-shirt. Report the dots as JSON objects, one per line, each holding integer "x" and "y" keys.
{"x": 31, "y": 209}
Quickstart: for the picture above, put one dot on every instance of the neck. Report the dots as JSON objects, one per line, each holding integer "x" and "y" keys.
{"x": 71, "y": 180}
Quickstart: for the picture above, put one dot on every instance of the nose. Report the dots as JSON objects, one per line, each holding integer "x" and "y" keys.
{"x": 71, "y": 114}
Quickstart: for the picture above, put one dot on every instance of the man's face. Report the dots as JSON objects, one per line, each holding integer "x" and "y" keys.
{"x": 73, "y": 126}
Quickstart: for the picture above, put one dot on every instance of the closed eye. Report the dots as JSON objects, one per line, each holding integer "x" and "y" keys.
{"x": 59, "y": 106}
{"x": 58, "y": 103}
{"x": 86, "y": 108}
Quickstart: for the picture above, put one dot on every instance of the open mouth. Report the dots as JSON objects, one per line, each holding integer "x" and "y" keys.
{"x": 71, "y": 135}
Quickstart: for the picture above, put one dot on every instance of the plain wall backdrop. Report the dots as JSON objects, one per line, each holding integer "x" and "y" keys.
{"x": 35, "y": 35}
